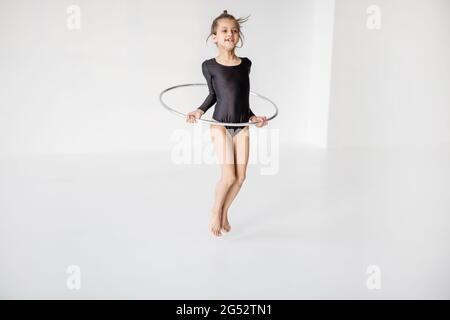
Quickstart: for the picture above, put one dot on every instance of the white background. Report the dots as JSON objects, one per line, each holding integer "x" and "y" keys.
{"x": 361, "y": 174}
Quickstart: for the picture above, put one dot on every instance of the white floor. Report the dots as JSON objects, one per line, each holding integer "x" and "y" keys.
{"x": 136, "y": 226}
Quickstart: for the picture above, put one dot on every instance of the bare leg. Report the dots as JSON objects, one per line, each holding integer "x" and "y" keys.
{"x": 223, "y": 146}
{"x": 241, "y": 147}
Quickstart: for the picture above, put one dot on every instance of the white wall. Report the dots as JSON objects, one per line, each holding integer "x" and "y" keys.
{"x": 96, "y": 89}
{"x": 320, "y": 73}
{"x": 391, "y": 86}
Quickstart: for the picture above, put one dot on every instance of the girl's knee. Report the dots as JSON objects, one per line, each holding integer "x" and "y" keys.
{"x": 228, "y": 180}
{"x": 240, "y": 179}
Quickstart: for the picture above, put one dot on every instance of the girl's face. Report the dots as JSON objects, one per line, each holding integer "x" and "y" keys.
{"x": 227, "y": 35}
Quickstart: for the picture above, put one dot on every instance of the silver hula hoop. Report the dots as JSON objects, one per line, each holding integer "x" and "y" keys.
{"x": 213, "y": 121}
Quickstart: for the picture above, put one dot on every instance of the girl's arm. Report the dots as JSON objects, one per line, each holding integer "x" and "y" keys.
{"x": 211, "y": 98}
{"x": 251, "y": 114}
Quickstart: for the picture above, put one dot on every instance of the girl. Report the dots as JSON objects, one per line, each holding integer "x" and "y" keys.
{"x": 228, "y": 82}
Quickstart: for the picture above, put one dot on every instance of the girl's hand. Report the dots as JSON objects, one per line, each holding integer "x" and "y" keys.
{"x": 192, "y": 116}
{"x": 261, "y": 121}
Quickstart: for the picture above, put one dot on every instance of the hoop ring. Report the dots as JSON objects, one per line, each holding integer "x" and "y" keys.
{"x": 241, "y": 124}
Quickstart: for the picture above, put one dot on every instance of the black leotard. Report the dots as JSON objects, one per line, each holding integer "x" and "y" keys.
{"x": 229, "y": 86}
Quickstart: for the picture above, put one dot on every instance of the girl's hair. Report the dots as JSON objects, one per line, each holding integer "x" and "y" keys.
{"x": 226, "y": 15}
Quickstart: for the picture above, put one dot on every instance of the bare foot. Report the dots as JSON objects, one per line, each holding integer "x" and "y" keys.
{"x": 225, "y": 224}
{"x": 215, "y": 223}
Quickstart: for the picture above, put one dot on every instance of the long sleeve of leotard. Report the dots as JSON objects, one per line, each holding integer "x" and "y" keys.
{"x": 251, "y": 114}
{"x": 211, "y": 98}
